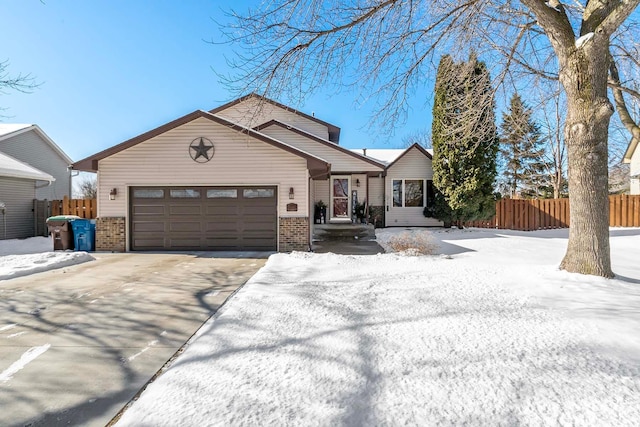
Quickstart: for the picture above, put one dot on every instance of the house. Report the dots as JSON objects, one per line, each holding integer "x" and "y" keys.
{"x": 632, "y": 156}
{"x": 32, "y": 167}
{"x": 246, "y": 176}
{"x": 29, "y": 144}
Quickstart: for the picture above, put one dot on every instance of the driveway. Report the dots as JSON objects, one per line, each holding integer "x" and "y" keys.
{"x": 76, "y": 344}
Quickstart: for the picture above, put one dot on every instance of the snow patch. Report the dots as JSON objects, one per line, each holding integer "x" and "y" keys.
{"x": 492, "y": 333}
{"x": 580, "y": 41}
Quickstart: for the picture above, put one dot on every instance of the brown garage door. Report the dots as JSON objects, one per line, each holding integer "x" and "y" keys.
{"x": 203, "y": 218}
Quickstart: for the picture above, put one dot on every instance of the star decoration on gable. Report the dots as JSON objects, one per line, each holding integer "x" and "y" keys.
{"x": 199, "y": 150}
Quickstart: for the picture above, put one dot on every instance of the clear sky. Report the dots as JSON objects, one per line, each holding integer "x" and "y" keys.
{"x": 113, "y": 69}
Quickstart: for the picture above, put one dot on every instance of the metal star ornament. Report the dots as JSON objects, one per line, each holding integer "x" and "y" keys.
{"x": 199, "y": 150}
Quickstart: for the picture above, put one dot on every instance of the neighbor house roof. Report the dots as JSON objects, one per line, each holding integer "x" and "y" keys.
{"x": 90, "y": 164}
{"x": 9, "y": 130}
{"x": 334, "y": 131}
{"x": 390, "y": 155}
{"x": 13, "y": 168}
{"x": 315, "y": 138}
{"x": 633, "y": 144}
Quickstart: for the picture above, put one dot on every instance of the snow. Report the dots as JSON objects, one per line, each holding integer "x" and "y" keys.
{"x": 22, "y": 257}
{"x": 580, "y": 41}
{"x": 487, "y": 331}
{"x": 28, "y": 357}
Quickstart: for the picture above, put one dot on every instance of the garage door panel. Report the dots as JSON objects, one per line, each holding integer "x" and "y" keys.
{"x": 148, "y": 210}
{"x": 178, "y": 226}
{"x": 149, "y": 244}
{"x": 214, "y": 221}
{"x": 185, "y": 243}
{"x": 175, "y": 209}
{"x": 148, "y": 226}
{"x": 222, "y": 209}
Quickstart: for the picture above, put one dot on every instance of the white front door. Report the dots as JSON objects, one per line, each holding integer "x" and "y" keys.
{"x": 340, "y": 208}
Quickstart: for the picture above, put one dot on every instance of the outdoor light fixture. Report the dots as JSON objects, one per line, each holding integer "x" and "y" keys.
{"x": 291, "y": 195}
{"x": 357, "y": 182}
{"x": 112, "y": 193}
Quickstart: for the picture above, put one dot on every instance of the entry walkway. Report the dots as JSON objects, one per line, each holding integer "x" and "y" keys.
{"x": 345, "y": 239}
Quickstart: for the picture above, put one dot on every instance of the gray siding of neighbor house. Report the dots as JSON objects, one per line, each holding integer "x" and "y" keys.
{"x": 30, "y": 148}
{"x": 18, "y": 196}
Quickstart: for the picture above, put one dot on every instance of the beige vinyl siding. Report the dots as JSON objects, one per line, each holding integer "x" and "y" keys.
{"x": 251, "y": 113}
{"x": 341, "y": 163}
{"x": 17, "y": 194}
{"x": 321, "y": 191}
{"x": 238, "y": 160}
{"x": 362, "y": 190}
{"x": 30, "y": 148}
{"x": 413, "y": 165}
{"x": 376, "y": 191}
{"x": 634, "y": 169}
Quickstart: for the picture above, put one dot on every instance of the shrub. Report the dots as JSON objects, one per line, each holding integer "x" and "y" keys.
{"x": 412, "y": 243}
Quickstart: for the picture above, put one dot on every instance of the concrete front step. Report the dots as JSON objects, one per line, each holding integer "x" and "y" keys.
{"x": 329, "y": 232}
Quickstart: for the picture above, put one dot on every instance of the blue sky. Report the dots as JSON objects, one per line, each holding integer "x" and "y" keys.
{"x": 111, "y": 70}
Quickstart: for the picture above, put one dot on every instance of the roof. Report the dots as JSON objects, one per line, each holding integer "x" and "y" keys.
{"x": 9, "y": 130}
{"x": 334, "y": 131}
{"x": 13, "y": 168}
{"x": 633, "y": 144}
{"x": 90, "y": 164}
{"x": 389, "y": 155}
{"x": 372, "y": 161}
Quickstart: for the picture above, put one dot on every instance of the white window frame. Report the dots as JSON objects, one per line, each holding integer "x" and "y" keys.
{"x": 404, "y": 190}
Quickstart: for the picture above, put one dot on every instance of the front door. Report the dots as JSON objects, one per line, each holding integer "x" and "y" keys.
{"x": 340, "y": 202}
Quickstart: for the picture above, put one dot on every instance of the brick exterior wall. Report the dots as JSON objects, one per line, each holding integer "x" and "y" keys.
{"x": 110, "y": 234}
{"x": 376, "y": 216}
{"x": 294, "y": 234}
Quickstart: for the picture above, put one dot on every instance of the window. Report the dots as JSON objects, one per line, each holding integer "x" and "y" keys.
{"x": 408, "y": 193}
{"x": 397, "y": 193}
{"x": 148, "y": 193}
{"x": 254, "y": 193}
{"x": 185, "y": 193}
{"x": 222, "y": 194}
{"x": 414, "y": 193}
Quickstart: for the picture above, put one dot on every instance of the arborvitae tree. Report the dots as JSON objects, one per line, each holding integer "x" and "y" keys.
{"x": 522, "y": 150}
{"x": 465, "y": 141}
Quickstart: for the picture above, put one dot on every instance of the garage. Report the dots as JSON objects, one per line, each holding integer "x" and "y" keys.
{"x": 216, "y": 218}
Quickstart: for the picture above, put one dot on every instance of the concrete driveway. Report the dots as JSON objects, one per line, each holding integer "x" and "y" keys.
{"x": 76, "y": 344}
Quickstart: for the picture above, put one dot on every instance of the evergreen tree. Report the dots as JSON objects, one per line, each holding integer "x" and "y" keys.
{"x": 465, "y": 141}
{"x": 522, "y": 150}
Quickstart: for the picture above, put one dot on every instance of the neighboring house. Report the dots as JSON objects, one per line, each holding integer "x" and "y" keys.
{"x": 246, "y": 176}
{"x": 632, "y": 156}
{"x": 19, "y": 183}
{"x": 29, "y": 144}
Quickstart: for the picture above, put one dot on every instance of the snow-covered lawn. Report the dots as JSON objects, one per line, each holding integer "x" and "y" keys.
{"x": 21, "y": 257}
{"x": 493, "y": 334}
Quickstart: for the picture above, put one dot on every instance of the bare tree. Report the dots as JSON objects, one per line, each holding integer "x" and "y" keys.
{"x": 87, "y": 188}
{"x": 21, "y": 82}
{"x": 386, "y": 47}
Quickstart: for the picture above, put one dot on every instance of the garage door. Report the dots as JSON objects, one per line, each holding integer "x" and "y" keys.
{"x": 203, "y": 218}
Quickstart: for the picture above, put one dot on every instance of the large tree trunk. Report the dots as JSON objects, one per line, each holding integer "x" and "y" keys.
{"x": 584, "y": 77}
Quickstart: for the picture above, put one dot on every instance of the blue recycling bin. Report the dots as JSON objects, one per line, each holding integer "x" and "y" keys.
{"x": 84, "y": 235}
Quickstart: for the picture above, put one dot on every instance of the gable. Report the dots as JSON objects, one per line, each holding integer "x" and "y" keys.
{"x": 415, "y": 162}
{"x": 91, "y": 164}
{"x": 254, "y": 110}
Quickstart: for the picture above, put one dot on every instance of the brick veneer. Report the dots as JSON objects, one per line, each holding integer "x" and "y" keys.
{"x": 376, "y": 216}
{"x": 294, "y": 234}
{"x": 110, "y": 234}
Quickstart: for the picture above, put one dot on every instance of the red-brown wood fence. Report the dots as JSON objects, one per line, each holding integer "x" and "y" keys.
{"x": 84, "y": 208}
{"x": 539, "y": 214}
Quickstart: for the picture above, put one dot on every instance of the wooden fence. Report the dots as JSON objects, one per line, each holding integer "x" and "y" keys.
{"x": 539, "y": 214}
{"x": 84, "y": 208}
